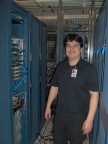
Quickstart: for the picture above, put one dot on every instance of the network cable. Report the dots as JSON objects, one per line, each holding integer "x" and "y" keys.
{"x": 44, "y": 137}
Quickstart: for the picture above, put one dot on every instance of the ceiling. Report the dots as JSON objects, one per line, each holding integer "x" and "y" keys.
{"x": 35, "y": 4}
{"x": 75, "y": 12}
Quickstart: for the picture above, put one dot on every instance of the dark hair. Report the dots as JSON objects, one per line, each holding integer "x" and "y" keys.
{"x": 73, "y": 37}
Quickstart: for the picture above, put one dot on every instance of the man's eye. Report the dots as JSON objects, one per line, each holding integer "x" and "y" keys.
{"x": 75, "y": 45}
{"x": 68, "y": 46}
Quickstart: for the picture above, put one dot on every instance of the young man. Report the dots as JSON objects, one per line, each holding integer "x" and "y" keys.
{"x": 76, "y": 83}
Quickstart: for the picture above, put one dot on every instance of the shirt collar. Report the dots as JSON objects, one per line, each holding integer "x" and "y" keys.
{"x": 78, "y": 65}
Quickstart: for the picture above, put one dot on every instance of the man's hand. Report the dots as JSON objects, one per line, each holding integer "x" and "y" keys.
{"x": 87, "y": 126}
{"x": 52, "y": 95}
{"x": 47, "y": 113}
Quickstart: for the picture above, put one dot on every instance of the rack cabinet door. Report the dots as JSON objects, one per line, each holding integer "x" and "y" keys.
{"x": 6, "y": 112}
{"x": 34, "y": 77}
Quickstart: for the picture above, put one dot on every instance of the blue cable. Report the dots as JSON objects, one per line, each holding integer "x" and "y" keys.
{"x": 18, "y": 84}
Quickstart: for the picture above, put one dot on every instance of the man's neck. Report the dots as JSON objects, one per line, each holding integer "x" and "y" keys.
{"x": 73, "y": 62}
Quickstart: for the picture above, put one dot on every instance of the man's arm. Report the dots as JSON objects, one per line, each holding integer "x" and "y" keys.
{"x": 52, "y": 95}
{"x": 87, "y": 126}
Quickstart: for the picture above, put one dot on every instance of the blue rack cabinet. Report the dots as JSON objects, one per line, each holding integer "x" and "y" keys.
{"x": 100, "y": 60}
{"x": 13, "y": 130}
{"x": 6, "y": 114}
{"x": 43, "y": 43}
{"x": 34, "y": 26}
{"x": 20, "y": 85}
{"x": 37, "y": 44}
{"x": 22, "y": 46}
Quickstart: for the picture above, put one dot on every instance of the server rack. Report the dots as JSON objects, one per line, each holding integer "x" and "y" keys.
{"x": 6, "y": 119}
{"x": 34, "y": 76}
{"x": 99, "y": 134}
{"x": 20, "y": 81}
{"x": 43, "y": 65}
{"x": 22, "y": 99}
{"x": 37, "y": 64}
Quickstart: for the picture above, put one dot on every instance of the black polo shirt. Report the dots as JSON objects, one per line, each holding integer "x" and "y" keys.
{"x": 73, "y": 92}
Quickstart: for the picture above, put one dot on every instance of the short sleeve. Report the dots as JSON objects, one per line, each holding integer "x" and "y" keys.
{"x": 54, "y": 81}
{"x": 93, "y": 83}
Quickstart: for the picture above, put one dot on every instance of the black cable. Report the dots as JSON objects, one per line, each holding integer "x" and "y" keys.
{"x": 41, "y": 141}
{"x": 43, "y": 132}
{"x": 43, "y": 137}
{"x": 47, "y": 138}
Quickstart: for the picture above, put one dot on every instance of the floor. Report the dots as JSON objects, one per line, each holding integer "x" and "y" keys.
{"x": 46, "y": 137}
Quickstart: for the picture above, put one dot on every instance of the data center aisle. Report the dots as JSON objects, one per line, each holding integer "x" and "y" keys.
{"x": 45, "y": 136}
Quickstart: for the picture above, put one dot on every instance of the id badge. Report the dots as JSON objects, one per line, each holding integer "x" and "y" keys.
{"x": 74, "y": 73}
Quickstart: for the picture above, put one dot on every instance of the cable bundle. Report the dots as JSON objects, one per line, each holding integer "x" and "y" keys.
{"x": 17, "y": 54}
{"x": 44, "y": 139}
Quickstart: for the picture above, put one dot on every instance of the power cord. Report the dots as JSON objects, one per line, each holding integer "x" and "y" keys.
{"x": 44, "y": 138}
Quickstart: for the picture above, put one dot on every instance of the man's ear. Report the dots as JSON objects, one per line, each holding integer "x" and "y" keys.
{"x": 81, "y": 49}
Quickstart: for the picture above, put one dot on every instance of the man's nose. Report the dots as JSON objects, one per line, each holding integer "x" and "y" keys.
{"x": 71, "y": 47}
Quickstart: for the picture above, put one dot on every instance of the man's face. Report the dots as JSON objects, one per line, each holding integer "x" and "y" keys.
{"x": 73, "y": 50}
